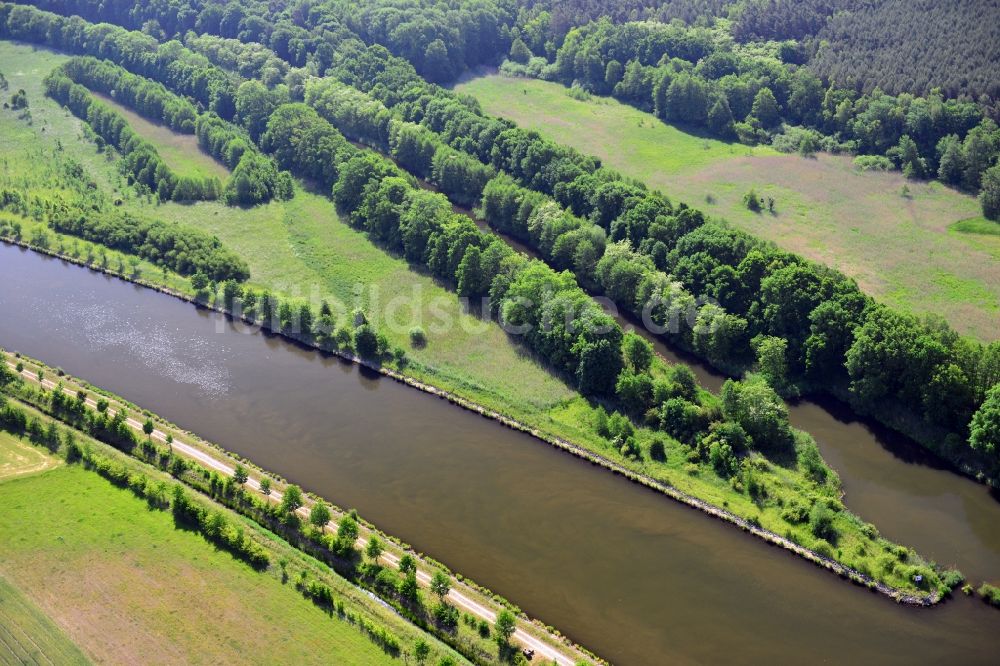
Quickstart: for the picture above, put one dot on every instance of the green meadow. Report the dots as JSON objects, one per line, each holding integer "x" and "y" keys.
{"x": 95, "y": 566}
{"x": 895, "y": 242}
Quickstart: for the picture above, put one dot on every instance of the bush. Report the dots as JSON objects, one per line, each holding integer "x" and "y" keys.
{"x": 752, "y": 201}
{"x": 657, "y": 450}
{"x": 795, "y": 513}
{"x": 823, "y": 549}
{"x": 951, "y": 579}
{"x": 821, "y": 522}
{"x": 990, "y": 594}
{"x": 872, "y": 163}
{"x": 366, "y": 342}
{"x": 417, "y": 337}
{"x": 446, "y": 615}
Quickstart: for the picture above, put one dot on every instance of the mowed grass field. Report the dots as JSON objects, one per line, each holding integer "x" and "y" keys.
{"x": 899, "y": 247}
{"x": 126, "y": 586}
{"x": 181, "y": 152}
{"x": 27, "y": 636}
{"x": 18, "y": 458}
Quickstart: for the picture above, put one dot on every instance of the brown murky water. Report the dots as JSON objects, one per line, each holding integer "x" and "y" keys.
{"x": 629, "y": 573}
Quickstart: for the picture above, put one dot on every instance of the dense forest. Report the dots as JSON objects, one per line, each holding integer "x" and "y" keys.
{"x": 916, "y": 47}
{"x": 801, "y": 324}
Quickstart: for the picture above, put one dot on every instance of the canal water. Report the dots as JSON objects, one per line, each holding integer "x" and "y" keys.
{"x": 632, "y": 575}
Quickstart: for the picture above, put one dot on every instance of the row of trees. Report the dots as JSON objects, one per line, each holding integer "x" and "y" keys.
{"x": 148, "y": 98}
{"x": 441, "y": 39}
{"x": 762, "y": 291}
{"x": 379, "y": 198}
{"x": 255, "y": 179}
{"x": 361, "y": 118}
{"x": 182, "y": 70}
{"x": 184, "y": 250}
{"x": 557, "y": 319}
{"x": 801, "y": 300}
{"x": 140, "y": 160}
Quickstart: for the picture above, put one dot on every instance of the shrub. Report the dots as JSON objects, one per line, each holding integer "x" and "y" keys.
{"x": 951, "y": 579}
{"x": 752, "y": 201}
{"x": 990, "y": 594}
{"x": 795, "y": 513}
{"x": 446, "y": 615}
{"x": 366, "y": 342}
{"x": 823, "y": 549}
{"x": 810, "y": 460}
{"x": 657, "y": 450}
{"x": 869, "y": 531}
{"x": 821, "y": 522}
{"x": 417, "y": 337}
{"x": 872, "y": 163}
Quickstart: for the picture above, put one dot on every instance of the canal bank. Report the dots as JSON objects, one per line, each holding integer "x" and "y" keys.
{"x": 637, "y": 579}
{"x": 670, "y": 491}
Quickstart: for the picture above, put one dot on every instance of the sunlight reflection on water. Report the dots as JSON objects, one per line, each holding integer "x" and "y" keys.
{"x": 187, "y": 360}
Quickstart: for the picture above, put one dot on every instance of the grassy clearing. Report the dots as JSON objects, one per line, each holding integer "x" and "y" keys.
{"x": 898, "y": 247}
{"x": 181, "y": 152}
{"x": 28, "y": 144}
{"x": 25, "y": 67}
{"x": 18, "y": 458}
{"x": 122, "y": 581}
{"x": 638, "y": 138}
{"x": 27, "y": 636}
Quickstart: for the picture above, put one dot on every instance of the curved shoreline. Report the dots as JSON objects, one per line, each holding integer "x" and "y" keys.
{"x": 578, "y": 451}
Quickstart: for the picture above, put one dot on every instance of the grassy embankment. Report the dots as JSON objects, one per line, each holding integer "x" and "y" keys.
{"x": 123, "y": 581}
{"x": 294, "y": 246}
{"x": 898, "y": 247}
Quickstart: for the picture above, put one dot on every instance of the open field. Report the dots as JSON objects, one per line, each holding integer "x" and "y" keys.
{"x": 25, "y": 157}
{"x": 898, "y": 247}
{"x": 181, "y": 152}
{"x": 122, "y": 581}
{"x": 27, "y": 636}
